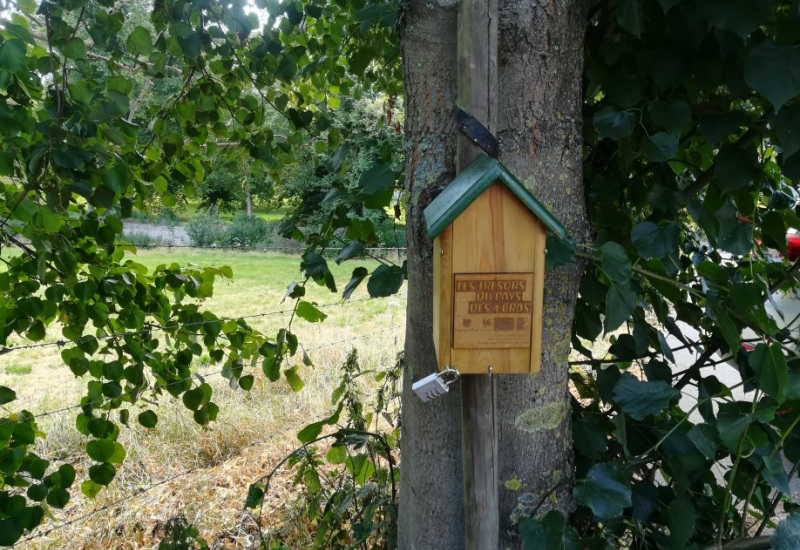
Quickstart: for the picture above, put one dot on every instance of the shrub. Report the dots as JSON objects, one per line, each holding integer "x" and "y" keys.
{"x": 141, "y": 240}
{"x": 249, "y": 232}
{"x": 205, "y": 230}
{"x": 169, "y": 216}
{"x": 390, "y": 233}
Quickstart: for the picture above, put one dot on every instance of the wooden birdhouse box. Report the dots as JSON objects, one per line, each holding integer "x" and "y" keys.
{"x": 488, "y": 235}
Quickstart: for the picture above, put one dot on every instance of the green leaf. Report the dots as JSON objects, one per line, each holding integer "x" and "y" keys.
{"x": 139, "y": 42}
{"x": 681, "y": 523}
{"x": 655, "y": 241}
{"x": 12, "y": 54}
{"x": 359, "y": 60}
{"x": 353, "y": 249}
{"x": 386, "y": 280}
{"x": 549, "y": 533}
{"x": 67, "y": 474}
{"x": 787, "y": 128}
{"x": 74, "y": 48}
{"x": 116, "y": 177}
{"x": 639, "y": 399}
{"x": 312, "y": 431}
{"x": 10, "y": 531}
{"x": 313, "y": 265}
{"x": 118, "y": 457}
{"x": 48, "y": 220}
{"x": 660, "y": 147}
{"x": 644, "y": 498}
{"x": 630, "y": 14}
{"x": 731, "y": 425}
{"x": 148, "y": 419}
{"x": 246, "y": 382}
{"x": 188, "y": 40}
{"x": 739, "y": 16}
{"x": 58, "y": 498}
{"x": 100, "y": 450}
{"x": 787, "y": 534}
{"x": 90, "y": 488}
{"x": 773, "y": 70}
{"x": 27, "y": 6}
{"x": 377, "y": 178}
{"x": 294, "y": 381}
{"x": 255, "y": 495}
{"x": 773, "y": 231}
{"x": 193, "y": 399}
{"x": 705, "y": 438}
{"x": 102, "y": 474}
{"x": 37, "y": 493}
{"x": 718, "y": 126}
{"x": 614, "y": 124}
{"x": 673, "y": 116}
{"x": 590, "y": 437}
{"x": 734, "y": 236}
{"x": 774, "y": 472}
{"x": 712, "y": 271}
{"x": 359, "y": 274}
{"x": 559, "y": 251}
{"x": 81, "y": 92}
{"x": 620, "y": 303}
{"x": 7, "y": 395}
{"x": 38, "y": 467}
{"x": 605, "y": 491}
{"x": 334, "y": 164}
{"x": 309, "y": 312}
{"x": 336, "y": 454}
{"x": 725, "y": 324}
{"x": 771, "y": 370}
{"x": 287, "y": 67}
{"x": 615, "y": 263}
{"x": 272, "y": 366}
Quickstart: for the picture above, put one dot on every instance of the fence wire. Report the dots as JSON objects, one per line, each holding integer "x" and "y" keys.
{"x": 155, "y": 328}
{"x": 199, "y": 375}
{"x": 141, "y": 491}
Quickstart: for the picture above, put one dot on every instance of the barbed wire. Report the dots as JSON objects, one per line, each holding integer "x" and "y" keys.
{"x": 63, "y": 342}
{"x": 199, "y": 375}
{"x": 294, "y": 249}
{"x": 139, "y": 492}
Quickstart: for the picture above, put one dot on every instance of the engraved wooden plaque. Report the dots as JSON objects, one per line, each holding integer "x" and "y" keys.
{"x": 492, "y": 310}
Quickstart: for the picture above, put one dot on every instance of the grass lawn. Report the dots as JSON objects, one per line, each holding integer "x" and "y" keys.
{"x": 253, "y": 431}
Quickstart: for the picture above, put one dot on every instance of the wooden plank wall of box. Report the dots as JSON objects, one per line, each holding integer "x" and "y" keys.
{"x": 488, "y": 235}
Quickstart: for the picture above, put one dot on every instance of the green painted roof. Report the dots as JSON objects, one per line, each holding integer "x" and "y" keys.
{"x": 468, "y": 186}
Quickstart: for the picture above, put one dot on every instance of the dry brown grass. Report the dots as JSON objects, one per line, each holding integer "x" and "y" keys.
{"x": 179, "y": 467}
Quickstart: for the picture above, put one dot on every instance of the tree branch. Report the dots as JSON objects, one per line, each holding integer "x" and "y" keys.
{"x": 755, "y": 543}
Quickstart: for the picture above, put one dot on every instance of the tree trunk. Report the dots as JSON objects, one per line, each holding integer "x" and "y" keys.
{"x": 248, "y": 199}
{"x": 540, "y": 70}
{"x": 540, "y": 132}
{"x": 431, "y": 494}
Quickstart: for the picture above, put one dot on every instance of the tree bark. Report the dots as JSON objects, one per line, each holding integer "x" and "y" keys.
{"x": 431, "y": 495}
{"x": 248, "y": 200}
{"x": 540, "y": 133}
{"x": 540, "y": 72}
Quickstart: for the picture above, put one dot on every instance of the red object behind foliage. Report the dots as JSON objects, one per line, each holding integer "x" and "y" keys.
{"x": 793, "y": 243}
